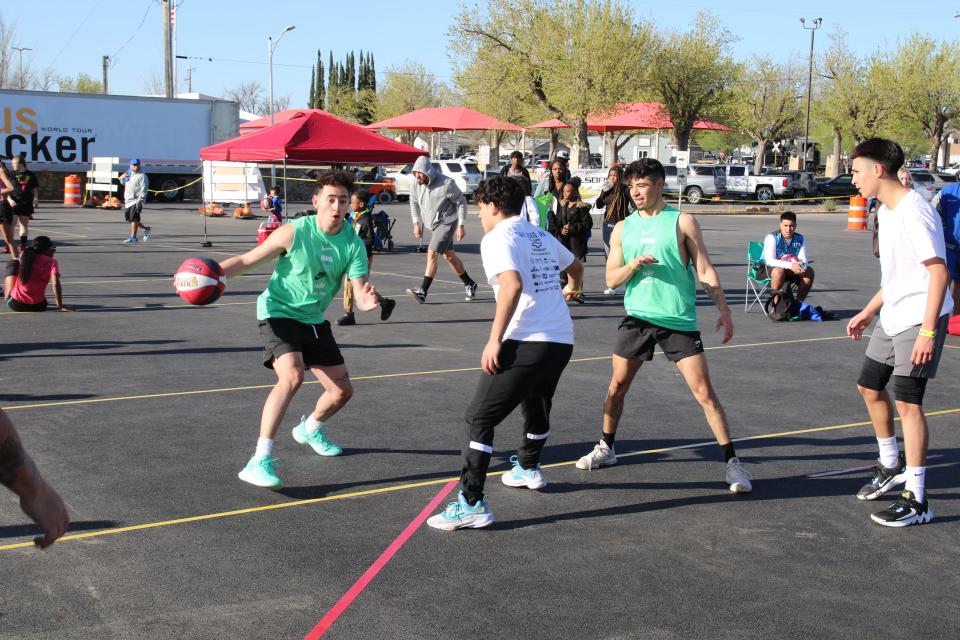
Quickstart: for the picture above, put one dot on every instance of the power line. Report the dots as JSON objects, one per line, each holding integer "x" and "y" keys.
{"x": 113, "y": 58}
{"x": 379, "y": 72}
{"x": 76, "y": 31}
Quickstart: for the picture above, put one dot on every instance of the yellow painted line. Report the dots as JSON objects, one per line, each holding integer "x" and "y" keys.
{"x": 381, "y": 376}
{"x": 425, "y": 483}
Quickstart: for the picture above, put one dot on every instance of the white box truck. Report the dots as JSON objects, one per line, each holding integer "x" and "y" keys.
{"x": 61, "y": 133}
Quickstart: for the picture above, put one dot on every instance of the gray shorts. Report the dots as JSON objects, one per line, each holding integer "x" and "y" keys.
{"x": 441, "y": 235}
{"x": 894, "y": 351}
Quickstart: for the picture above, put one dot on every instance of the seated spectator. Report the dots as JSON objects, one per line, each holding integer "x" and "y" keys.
{"x": 785, "y": 254}
{"x": 25, "y": 281}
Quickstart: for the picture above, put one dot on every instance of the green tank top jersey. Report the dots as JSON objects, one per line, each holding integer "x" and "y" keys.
{"x": 665, "y": 293}
{"x": 309, "y": 275}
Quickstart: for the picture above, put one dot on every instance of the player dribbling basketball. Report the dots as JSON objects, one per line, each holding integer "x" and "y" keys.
{"x": 314, "y": 254}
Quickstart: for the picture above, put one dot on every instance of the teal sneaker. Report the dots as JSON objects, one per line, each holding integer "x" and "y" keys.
{"x": 318, "y": 439}
{"x": 520, "y": 477}
{"x": 259, "y": 472}
{"x": 460, "y": 515}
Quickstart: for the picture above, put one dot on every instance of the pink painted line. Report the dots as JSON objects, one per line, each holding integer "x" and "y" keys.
{"x": 347, "y": 599}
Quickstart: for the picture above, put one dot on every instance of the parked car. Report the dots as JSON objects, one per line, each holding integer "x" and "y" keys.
{"x": 702, "y": 180}
{"x": 803, "y": 184}
{"x": 742, "y": 182}
{"x": 937, "y": 180}
{"x": 841, "y": 185}
{"x": 925, "y": 184}
{"x": 466, "y": 175}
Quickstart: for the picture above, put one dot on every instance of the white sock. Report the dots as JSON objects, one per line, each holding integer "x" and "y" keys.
{"x": 312, "y": 424}
{"x": 264, "y": 447}
{"x": 915, "y": 482}
{"x": 888, "y": 451}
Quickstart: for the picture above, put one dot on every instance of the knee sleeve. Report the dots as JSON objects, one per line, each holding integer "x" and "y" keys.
{"x": 909, "y": 390}
{"x": 874, "y": 375}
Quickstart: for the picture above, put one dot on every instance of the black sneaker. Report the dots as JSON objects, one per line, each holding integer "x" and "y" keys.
{"x": 904, "y": 512}
{"x": 471, "y": 292}
{"x": 346, "y": 320}
{"x": 883, "y": 480}
{"x": 419, "y": 294}
{"x": 386, "y": 308}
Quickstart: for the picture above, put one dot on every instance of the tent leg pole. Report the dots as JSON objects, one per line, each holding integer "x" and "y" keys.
{"x": 284, "y": 181}
{"x": 206, "y": 244}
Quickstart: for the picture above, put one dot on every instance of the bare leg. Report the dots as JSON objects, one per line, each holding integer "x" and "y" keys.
{"x": 431, "y": 269}
{"x": 777, "y": 277}
{"x": 455, "y": 264}
{"x": 24, "y": 222}
{"x": 337, "y": 390}
{"x": 914, "y": 433}
{"x": 880, "y": 409}
{"x": 8, "y": 283}
{"x": 7, "y": 230}
{"x": 695, "y": 373}
{"x": 289, "y": 370}
{"x": 805, "y": 284}
{"x": 133, "y": 229}
{"x": 624, "y": 370}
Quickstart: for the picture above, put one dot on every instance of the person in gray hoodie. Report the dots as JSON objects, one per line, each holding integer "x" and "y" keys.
{"x": 438, "y": 198}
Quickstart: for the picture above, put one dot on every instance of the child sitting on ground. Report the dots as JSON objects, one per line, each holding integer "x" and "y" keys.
{"x": 25, "y": 281}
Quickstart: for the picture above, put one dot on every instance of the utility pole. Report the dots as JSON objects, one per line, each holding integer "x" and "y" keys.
{"x": 190, "y": 79}
{"x": 167, "y": 49}
{"x": 806, "y": 133}
{"x": 106, "y": 65}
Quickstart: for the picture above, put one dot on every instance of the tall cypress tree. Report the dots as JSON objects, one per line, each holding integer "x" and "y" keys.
{"x": 350, "y": 70}
{"x": 373, "y": 73}
{"x": 312, "y": 96}
{"x": 319, "y": 97}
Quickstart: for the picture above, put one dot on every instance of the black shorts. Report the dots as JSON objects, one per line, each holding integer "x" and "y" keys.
{"x": 313, "y": 341}
{"x": 6, "y": 212}
{"x": 132, "y": 214}
{"x": 24, "y": 210}
{"x": 636, "y": 339}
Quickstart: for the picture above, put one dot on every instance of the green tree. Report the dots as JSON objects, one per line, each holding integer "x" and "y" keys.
{"x": 854, "y": 97}
{"x": 767, "y": 103}
{"x": 926, "y": 75}
{"x": 319, "y": 97}
{"x": 83, "y": 83}
{"x": 407, "y": 87}
{"x": 694, "y": 74}
{"x": 567, "y": 54}
{"x": 312, "y": 94}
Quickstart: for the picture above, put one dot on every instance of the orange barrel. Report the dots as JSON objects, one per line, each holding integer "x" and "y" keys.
{"x": 857, "y": 215}
{"x": 71, "y": 191}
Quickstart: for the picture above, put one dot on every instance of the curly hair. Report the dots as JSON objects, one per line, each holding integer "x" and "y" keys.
{"x": 335, "y": 178}
{"x": 504, "y": 193}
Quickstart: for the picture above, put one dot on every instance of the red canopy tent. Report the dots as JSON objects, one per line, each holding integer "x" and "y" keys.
{"x": 313, "y": 138}
{"x": 278, "y": 117}
{"x": 444, "y": 119}
{"x": 630, "y": 116}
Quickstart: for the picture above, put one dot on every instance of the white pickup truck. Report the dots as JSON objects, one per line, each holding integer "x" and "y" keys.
{"x": 742, "y": 183}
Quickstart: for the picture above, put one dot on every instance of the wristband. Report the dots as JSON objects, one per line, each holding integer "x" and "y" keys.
{"x": 928, "y": 333}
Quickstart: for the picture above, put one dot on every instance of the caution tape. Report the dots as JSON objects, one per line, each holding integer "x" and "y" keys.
{"x": 704, "y": 199}
{"x": 189, "y": 184}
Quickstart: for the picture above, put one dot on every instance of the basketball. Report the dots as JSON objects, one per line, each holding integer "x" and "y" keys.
{"x": 789, "y": 257}
{"x": 199, "y": 280}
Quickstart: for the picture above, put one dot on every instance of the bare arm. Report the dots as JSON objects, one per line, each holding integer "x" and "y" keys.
{"x": 37, "y": 499}
{"x": 861, "y": 321}
{"x": 364, "y": 293}
{"x": 619, "y": 272}
{"x": 511, "y": 286}
{"x": 706, "y": 272}
{"x": 276, "y": 243}
{"x": 923, "y": 347}
{"x": 58, "y": 292}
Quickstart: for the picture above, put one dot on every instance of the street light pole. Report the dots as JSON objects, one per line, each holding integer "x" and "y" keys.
{"x": 20, "y": 50}
{"x": 270, "y": 47}
{"x": 806, "y": 132}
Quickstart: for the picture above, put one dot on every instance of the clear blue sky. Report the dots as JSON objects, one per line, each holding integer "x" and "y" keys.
{"x": 71, "y": 37}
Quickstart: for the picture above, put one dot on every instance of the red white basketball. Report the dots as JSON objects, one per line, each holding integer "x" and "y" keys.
{"x": 199, "y": 280}
{"x": 789, "y": 257}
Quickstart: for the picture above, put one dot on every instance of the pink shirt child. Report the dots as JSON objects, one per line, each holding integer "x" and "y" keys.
{"x": 34, "y": 291}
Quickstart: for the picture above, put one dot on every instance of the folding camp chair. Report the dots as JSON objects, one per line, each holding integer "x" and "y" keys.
{"x": 758, "y": 280}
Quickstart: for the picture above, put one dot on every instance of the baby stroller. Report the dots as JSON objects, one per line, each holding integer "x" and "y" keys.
{"x": 382, "y": 228}
{"x": 382, "y": 231}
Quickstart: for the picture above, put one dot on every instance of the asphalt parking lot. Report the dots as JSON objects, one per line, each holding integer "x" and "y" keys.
{"x": 141, "y": 410}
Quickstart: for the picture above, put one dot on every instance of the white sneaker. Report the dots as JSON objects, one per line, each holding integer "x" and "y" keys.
{"x": 613, "y": 292}
{"x": 738, "y": 477}
{"x": 601, "y": 456}
{"x": 520, "y": 477}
